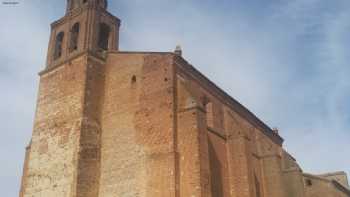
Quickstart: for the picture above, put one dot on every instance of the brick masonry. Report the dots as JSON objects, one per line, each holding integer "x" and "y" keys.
{"x": 145, "y": 124}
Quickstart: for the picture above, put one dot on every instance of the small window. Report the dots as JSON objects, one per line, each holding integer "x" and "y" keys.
{"x": 58, "y": 45}
{"x": 74, "y": 39}
{"x": 103, "y": 38}
{"x": 133, "y": 79}
{"x": 308, "y": 182}
{"x": 84, "y": 1}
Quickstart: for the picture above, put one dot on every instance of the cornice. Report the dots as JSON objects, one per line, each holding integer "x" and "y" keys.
{"x": 89, "y": 54}
{"x": 192, "y": 72}
{"x": 334, "y": 182}
{"x": 77, "y": 11}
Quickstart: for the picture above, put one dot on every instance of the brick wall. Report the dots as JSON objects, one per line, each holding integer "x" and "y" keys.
{"x": 52, "y": 160}
{"x": 149, "y": 125}
{"x": 138, "y": 152}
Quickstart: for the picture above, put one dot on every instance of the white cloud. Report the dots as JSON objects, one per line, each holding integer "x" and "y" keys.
{"x": 289, "y": 64}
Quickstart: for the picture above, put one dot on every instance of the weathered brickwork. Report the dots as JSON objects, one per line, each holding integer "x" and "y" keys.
{"x": 137, "y": 122}
{"x": 148, "y": 124}
{"x": 320, "y": 186}
{"x": 53, "y": 156}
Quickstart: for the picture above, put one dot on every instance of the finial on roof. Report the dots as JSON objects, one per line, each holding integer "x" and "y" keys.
{"x": 275, "y": 130}
{"x": 178, "y": 50}
{"x": 73, "y": 4}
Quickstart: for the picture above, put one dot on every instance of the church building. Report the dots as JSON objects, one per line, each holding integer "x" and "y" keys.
{"x": 113, "y": 123}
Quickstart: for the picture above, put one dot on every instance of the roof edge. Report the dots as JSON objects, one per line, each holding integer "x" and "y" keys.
{"x": 234, "y": 104}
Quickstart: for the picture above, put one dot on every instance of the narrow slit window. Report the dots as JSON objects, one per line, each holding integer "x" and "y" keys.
{"x": 58, "y": 45}
{"x": 74, "y": 37}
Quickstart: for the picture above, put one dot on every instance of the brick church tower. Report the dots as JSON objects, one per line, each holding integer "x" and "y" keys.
{"x": 63, "y": 158}
{"x": 113, "y": 123}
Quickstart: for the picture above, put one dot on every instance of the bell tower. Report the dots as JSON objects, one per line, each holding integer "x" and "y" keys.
{"x": 64, "y": 156}
{"x": 72, "y": 4}
{"x": 86, "y": 28}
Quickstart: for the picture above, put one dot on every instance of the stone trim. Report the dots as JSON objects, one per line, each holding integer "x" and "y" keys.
{"x": 77, "y": 11}
{"x": 293, "y": 169}
{"x": 190, "y": 109}
{"x": 268, "y": 156}
{"x": 58, "y": 64}
{"x": 211, "y": 130}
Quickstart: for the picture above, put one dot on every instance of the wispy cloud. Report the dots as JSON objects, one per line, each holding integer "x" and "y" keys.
{"x": 287, "y": 61}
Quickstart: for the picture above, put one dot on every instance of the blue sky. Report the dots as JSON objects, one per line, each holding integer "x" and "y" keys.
{"x": 287, "y": 61}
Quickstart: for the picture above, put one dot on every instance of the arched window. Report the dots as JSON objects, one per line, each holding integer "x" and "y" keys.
{"x": 74, "y": 37}
{"x": 103, "y": 37}
{"x": 58, "y": 45}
